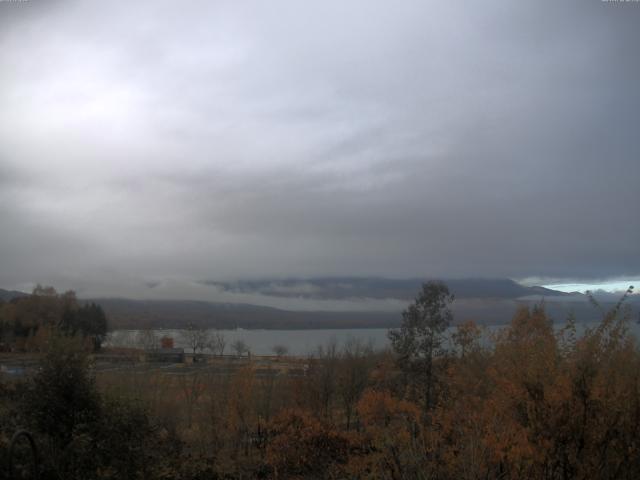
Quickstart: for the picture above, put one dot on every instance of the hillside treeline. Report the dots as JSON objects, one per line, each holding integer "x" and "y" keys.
{"x": 533, "y": 403}
{"x": 28, "y": 322}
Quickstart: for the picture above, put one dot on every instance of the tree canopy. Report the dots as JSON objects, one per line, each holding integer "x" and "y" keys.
{"x": 27, "y": 323}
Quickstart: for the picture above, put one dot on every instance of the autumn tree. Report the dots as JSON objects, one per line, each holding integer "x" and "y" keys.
{"x": 420, "y": 339}
{"x": 241, "y": 411}
{"x": 47, "y": 309}
{"x": 196, "y": 338}
{"x": 280, "y": 350}
{"x": 240, "y": 347}
{"x": 192, "y": 386}
{"x": 87, "y": 320}
{"x": 389, "y": 441}
{"x": 217, "y": 343}
{"x": 25, "y": 315}
{"x": 302, "y": 447}
{"x": 147, "y": 339}
{"x": 466, "y": 337}
{"x": 322, "y": 377}
{"x": 353, "y": 375}
{"x": 544, "y": 403}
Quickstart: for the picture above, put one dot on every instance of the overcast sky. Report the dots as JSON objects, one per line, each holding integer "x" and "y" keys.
{"x": 149, "y": 145}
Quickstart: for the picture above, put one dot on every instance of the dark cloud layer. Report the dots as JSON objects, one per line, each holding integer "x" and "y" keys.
{"x": 152, "y": 141}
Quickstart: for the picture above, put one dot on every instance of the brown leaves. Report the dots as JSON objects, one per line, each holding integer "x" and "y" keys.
{"x": 303, "y": 447}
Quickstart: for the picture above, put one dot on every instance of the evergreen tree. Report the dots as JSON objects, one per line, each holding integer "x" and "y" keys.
{"x": 420, "y": 338}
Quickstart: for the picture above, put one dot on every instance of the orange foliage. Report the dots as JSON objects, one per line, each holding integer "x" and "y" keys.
{"x": 303, "y": 447}
{"x": 537, "y": 404}
{"x": 531, "y": 409}
{"x": 390, "y": 445}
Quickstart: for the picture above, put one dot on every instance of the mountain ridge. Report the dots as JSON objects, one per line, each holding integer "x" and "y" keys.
{"x": 8, "y": 295}
{"x": 486, "y": 301}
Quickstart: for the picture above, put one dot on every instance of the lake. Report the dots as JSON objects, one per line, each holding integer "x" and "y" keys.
{"x": 261, "y": 342}
{"x": 298, "y": 342}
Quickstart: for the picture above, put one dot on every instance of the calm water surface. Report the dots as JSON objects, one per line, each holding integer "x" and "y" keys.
{"x": 299, "y": 342}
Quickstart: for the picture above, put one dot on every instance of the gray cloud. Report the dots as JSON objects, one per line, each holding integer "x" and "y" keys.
{"x": 153, "y": 141}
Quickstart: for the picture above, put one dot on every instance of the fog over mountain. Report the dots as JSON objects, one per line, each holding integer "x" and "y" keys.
{"x": 380, "y": 288}
{"x": 147, "y": 147}
{"x": 345, "y": 303}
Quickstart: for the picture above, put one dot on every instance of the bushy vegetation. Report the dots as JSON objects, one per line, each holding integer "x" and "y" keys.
{"x": 534, "y": 403}
{"x": 79, "y": 432}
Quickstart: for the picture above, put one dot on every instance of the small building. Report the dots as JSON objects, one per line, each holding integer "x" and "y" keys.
{"x": 165, "y": 355}
{"x": 166, "y": 342}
